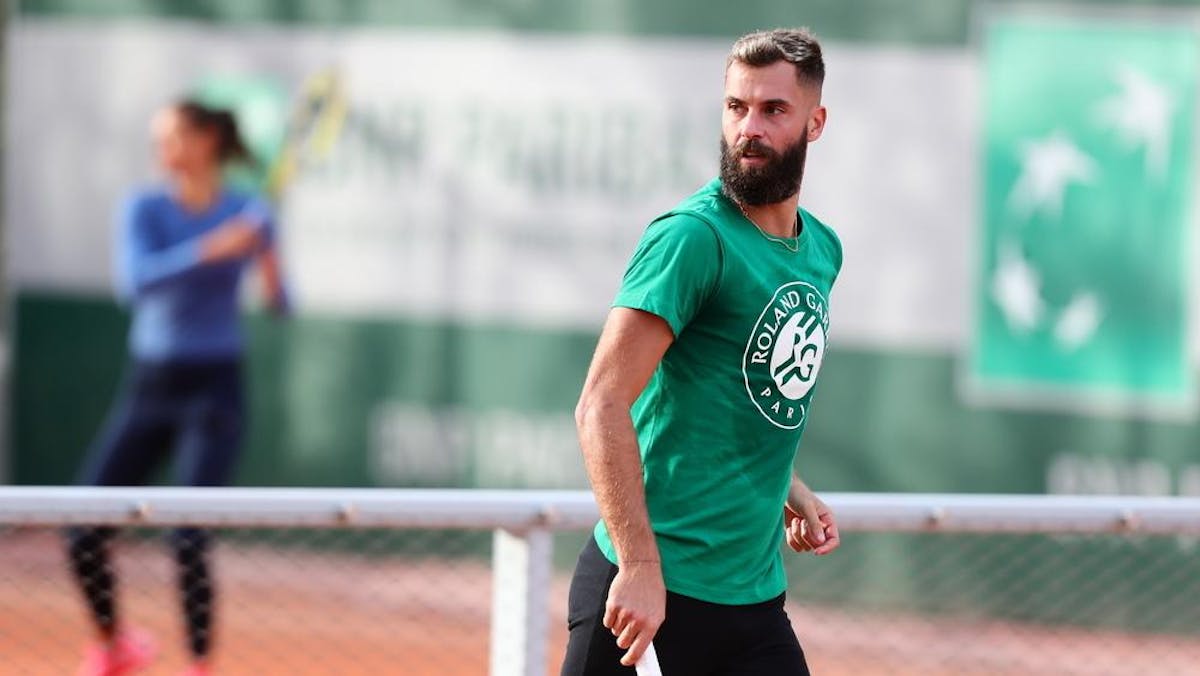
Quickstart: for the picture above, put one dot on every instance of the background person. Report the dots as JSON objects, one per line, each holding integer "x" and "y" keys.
{"x": 182, "y": 249}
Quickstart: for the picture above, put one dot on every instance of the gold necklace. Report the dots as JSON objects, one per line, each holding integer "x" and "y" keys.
{"x": 777, "y": 240}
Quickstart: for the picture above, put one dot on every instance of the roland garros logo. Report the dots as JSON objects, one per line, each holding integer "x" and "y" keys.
{"x": 784, "y": 353}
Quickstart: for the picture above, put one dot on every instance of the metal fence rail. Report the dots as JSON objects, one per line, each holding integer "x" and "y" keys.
{"x": 570, "y": 510}
{"x": 1004, "y": 534}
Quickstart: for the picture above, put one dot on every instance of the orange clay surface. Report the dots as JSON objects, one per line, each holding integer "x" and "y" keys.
{"x": 313, "y": 612}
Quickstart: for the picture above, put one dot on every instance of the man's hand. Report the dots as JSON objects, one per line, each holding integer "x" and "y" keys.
{"x": 637, "y": 606}
{"x": 235, "y": 239}
{"x": 809, "y": 522}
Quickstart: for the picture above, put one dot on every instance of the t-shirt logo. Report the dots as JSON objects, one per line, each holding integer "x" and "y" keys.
{"x": 784, "y": 353}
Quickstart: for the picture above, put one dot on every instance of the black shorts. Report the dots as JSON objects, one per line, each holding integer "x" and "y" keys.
{"x": 697, "y": 639}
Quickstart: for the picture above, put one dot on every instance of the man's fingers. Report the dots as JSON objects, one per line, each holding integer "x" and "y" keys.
{"x": 816, "y": 529}
{"x": 622, "y": 622}
{"x": 795, "y": 536}
{"x": 625, "y": 639}
{"x": 826, "y": 548}
{"x": 810, "y": 526}
{"x": 610, "y": 616}
{"x": 808, "y": 535}
{"x": 791, "y": 542}
{"x": 832, "y": 540}
{"x": 637, "y": 648}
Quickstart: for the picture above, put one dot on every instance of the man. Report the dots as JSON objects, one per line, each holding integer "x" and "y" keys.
{"x": 698, "y": 393}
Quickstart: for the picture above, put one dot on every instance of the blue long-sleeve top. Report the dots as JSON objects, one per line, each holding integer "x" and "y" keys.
{"x": 183, "y": 308}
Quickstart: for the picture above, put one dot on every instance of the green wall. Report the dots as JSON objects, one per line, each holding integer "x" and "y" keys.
{"x": 882, "y": 421}
{"x": 312, "y": 383}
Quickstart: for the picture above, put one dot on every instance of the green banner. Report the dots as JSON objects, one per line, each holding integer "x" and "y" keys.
{"x": 1083, "y": 295}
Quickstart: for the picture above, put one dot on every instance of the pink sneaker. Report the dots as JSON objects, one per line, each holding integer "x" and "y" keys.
{"x": 129, "y": 652}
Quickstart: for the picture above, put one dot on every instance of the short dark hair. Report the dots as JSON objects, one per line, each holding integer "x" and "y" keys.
{"x": 797, "y": 46}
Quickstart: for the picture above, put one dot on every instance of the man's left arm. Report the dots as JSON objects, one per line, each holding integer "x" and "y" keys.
{"x": 808, "y": 521}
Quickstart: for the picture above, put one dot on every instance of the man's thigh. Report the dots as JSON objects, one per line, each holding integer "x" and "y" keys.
{"x": 686, "y": 643}
{"x": 591, "y": 648}
{"x": 766, "y": 643}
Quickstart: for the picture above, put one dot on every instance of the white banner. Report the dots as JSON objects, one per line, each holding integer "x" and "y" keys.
{"x": 499, "y": 176}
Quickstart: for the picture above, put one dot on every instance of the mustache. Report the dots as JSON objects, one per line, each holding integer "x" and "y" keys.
{"x": 756, "y": 147}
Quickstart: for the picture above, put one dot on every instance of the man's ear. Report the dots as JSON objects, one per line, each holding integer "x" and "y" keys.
{"x": 816, "y": 124}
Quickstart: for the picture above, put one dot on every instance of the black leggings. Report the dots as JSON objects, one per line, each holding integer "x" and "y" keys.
{"x": 88, "y": 548}
{"x": 697, "y": 639}
{"x": 194, "y": 411}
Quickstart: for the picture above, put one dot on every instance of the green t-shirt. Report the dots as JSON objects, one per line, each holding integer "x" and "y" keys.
{"x": 721, "y": 418}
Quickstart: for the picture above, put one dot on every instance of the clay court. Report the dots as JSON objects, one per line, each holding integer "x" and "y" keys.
{"x": 296, "y": 611}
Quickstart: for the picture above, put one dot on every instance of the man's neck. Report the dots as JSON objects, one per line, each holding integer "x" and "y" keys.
{"x": 778, "y": 219}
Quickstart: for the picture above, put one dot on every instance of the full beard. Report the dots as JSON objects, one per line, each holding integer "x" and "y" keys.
{"x": 775, "y": 181}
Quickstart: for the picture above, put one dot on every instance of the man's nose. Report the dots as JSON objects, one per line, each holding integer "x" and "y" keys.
{"x": 752, "y": 126}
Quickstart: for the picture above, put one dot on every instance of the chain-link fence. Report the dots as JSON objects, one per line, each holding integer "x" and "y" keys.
{"x": 288, "y": 601}
{"x": 936, "y": 604}
{"x": 371, "y": 600}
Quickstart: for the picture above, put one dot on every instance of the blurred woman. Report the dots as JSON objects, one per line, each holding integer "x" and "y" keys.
{"x": 181, "y": 252}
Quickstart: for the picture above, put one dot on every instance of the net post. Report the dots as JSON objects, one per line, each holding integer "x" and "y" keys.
{"x": 521, "y": 576}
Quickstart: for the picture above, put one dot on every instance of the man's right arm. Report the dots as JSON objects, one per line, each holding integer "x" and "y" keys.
{"x": 630, "y": 348}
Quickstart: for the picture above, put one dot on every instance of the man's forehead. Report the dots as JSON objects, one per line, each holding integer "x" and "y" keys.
{"x": 776, "y": 81}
